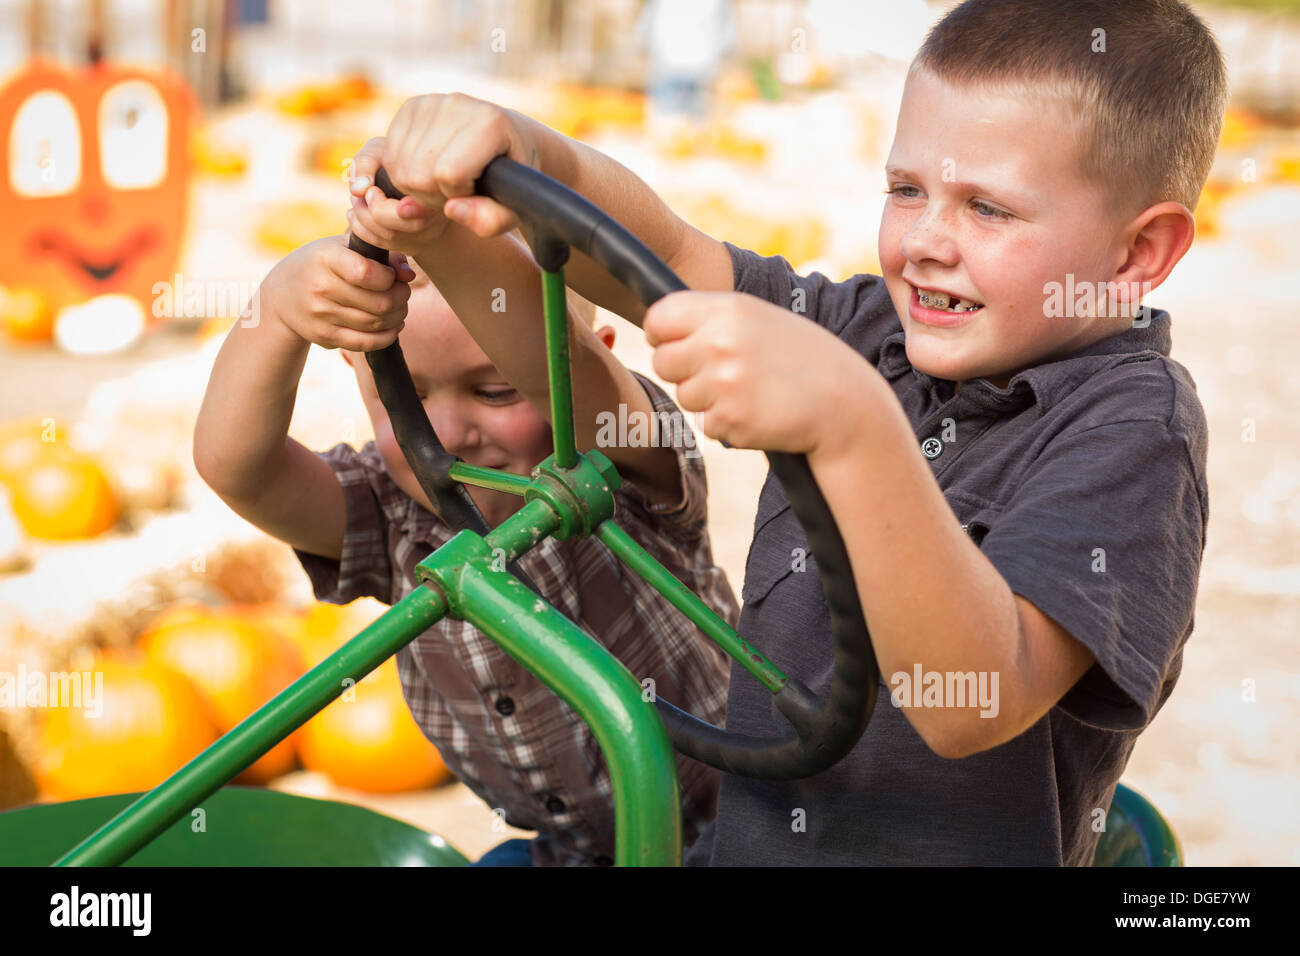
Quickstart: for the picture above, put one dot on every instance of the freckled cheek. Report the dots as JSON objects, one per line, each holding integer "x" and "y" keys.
{"x": 892, "y": 229}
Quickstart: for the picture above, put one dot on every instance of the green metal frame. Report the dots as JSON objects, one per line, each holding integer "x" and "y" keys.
{"x": 238, "y": 826}
{"x": 570, "y": 494}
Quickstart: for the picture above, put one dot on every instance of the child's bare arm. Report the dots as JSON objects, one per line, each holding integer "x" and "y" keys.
{"x": 241, "y": 444}
{"x": 492, "y": 283}
{"x": 438, "y": 145}
{"x": 759, "y": 376}
{"x": 494, "y": 288}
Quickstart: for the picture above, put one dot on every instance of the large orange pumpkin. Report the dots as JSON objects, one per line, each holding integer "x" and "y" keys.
{"x": 324, "y": 628}
{"x": 237, "y": 665}
{"x": 371, "y": 742}
{"x": 94, "y": 172}
{"x": 64, "y": 496}
{"x": 151, "y": 722}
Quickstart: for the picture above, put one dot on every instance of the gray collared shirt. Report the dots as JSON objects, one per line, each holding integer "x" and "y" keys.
{"x": 1083, "y": 482}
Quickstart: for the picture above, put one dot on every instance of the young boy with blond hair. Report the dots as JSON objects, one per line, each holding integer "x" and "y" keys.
{"x": 359, "y": 522}
{"x": 1019, "y": 479}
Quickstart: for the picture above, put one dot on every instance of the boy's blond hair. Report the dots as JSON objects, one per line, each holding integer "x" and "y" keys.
{"x": 1143, "y": 80}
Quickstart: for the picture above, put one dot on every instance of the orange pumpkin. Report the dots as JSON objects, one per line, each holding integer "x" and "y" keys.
{"x": 150, "y": 723}
{"x": 236, "y": 664}
{"x": 64, "y": 496}
{"x": 183, "y": 613}
{"x": 368, "y": 740}
{"x": 286, "y": 226}
{"x": 324, "y": 628}
{"x": 96, "y": 172}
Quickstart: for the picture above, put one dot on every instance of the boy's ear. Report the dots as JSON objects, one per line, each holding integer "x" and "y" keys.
{"x": 606, "y": 335}
{"x": 1160, "y": 236}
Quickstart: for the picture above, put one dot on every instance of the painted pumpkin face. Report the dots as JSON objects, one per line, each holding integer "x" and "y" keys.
{"x": 94, "y": 169}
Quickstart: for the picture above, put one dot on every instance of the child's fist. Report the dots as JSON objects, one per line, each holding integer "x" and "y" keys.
{"x": 435, "y": 150}
{"x": 756, "y": 375}
{"x": 337, "y": 298}
{"x": 405, "y": 225}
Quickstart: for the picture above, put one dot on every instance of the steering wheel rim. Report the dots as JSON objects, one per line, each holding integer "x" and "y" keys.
{"x": 825, "y": 730}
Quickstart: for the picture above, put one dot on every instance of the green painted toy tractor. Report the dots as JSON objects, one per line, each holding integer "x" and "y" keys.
{"x": 568, "y": 494}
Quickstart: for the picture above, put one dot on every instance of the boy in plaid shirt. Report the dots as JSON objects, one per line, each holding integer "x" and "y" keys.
{"x": 359, "y": 523}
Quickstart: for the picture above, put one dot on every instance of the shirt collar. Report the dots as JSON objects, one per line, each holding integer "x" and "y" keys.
{"x": 1047, "y": 383}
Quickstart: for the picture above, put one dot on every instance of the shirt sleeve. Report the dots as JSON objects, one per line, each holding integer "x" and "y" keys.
{"x": 830, "y": 304}
{"x": 364, "y": 568}
{"x": 1105, "y": 535}
{"x": 686, "y": 518}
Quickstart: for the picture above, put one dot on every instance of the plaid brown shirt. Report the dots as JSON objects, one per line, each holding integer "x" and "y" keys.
{"x": 504, "y": 733}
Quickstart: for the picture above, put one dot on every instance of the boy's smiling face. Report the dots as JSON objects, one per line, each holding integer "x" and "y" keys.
{"x": 989, "y": 203}
{"x": 477, "y": 415}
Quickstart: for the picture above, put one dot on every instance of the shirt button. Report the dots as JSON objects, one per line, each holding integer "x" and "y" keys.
{"x": 555, "y": 804}
{"x": 932, "y": 448}
{"x": 505, "y": 706}
{"x": 604, "y": 861}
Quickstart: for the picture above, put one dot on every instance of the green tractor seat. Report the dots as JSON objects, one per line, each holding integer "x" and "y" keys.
{"x": 1136, "y": 834}
{"x": 249, "y": 826}
{"x": 240, "y": 826}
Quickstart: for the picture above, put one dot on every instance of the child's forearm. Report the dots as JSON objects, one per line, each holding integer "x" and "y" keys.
{"x": 242, "y": 426}
{"x": 701, "y": 263}
{"x": 930, "y": 596}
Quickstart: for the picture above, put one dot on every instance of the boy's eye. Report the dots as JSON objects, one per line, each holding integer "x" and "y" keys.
{"x": 985, "y": 211}
{"x": 497, "y": 395}
{"x": 899, "y": 191}
{"x": 989, "y": 212}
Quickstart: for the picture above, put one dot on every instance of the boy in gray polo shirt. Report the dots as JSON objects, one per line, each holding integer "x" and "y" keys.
{"x": 1016, "y": 465}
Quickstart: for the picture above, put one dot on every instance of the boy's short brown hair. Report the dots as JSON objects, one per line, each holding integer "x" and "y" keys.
{"x": 1143, "y": 79}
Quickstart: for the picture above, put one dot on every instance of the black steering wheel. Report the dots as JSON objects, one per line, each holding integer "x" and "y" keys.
{"x": 559, "y": 219}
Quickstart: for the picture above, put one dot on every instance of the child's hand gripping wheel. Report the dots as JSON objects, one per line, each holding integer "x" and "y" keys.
{"x": 825, "y": 731}
{"x": 429, "y": 461}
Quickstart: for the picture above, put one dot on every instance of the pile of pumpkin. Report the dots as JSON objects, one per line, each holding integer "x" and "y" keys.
{"x": 585, "y": 111}
{"x": 196, "y": 672}
{"x": 799, "y": 238}
{"x": 56, "y": 492}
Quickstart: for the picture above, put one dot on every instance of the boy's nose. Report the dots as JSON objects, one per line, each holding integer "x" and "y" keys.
{"x": 455, "y": 430}
{"x": 929, "y": 238}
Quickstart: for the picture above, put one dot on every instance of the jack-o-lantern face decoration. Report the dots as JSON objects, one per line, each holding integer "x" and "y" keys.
{"x": 94, "y": 168}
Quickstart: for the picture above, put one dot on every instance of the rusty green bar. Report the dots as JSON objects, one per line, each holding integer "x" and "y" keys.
{"x": 632, "y": 738}
{"x": 699, "y": 613}
{"x": 492, "y": 478}
{"x": 523, "y": 529}
{"x": 556, "y": 309}
{"x": 121, "y": 837}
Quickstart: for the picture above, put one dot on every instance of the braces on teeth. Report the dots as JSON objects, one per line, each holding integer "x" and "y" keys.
{"x": 942, "y": 300}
